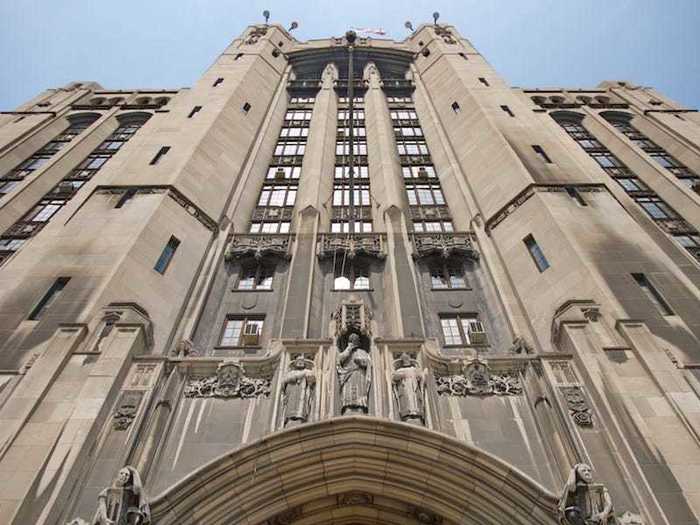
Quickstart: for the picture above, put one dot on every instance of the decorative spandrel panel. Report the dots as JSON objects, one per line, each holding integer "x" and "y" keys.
{"x": 222, "y": 404}
{"x": 484, "y": 403}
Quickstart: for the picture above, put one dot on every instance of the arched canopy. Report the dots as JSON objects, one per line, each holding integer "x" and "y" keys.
{"x": 358, "y": 470}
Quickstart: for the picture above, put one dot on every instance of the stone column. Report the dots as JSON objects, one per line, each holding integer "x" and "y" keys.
{"x": 313, "y": 205}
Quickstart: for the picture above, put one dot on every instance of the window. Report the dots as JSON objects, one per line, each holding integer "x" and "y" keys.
{"x": 455, "y": 107}
{"x": 294, "y": 132}
{"x": 7, "y": 186}
{"x": 536, "y": 253}
{"x": 464, "y": 56}
{"x": 302, "y": 100}
{"x": 574, "y": 194}
{"x": 358, "y": 148}
{"x": 256, "y": 277}
{"x": 44, "y": 210}
{"x": 341, "y": 195}
{"x": 241, "y": 331}
{"x": 507, "y": 110}
{"x": 344, "y": 227}
{"x": 484, "y": 81}
{"x": 161, "y": 152}
{"x": 49, "y": 298}
{"x": 418, "y": 172}
{"x": 433, "y": 226}
{"x": 167, "y": 255}
{"x": 425, "y": 195}
{"x": 270, "y": 227}
{"x": 631, "y": 184}
{"x": 444, "y": 276}
{"x": 463, "y": 329}
{"x": 126, "y": 197}
{"x": 290, "y": 149}
{"x": 541, "y": 153}
{"x": 283, "y": 172}
{"x": 218, "y": 82}
{"x": 652, "y": 294}
{"x": 246, "y": 107}
{"x": 278, "y": 196}
{"x": 359, "y": 172}
{"x": 350, "y": 275}
{"x": 194, "y": 111}
{"x": 656, "y": 208}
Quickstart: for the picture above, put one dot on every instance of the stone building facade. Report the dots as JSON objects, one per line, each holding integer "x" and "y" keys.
{"x": 312, "y": 289}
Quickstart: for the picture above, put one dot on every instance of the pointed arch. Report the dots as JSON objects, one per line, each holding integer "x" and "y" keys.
{"x": 287, "y": 473}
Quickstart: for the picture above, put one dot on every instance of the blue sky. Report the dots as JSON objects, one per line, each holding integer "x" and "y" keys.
{"x": 168, "y": 44}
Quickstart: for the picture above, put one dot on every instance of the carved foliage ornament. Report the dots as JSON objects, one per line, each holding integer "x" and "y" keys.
{"x": 351, "y": 245}
{"x": 577, "y": 405}
{"x": 230, "y": 381}
{"x": 257, "y": 246}
{"x": 126, "y": 410}
{"x": 477, "y": 379}
{"x": 444, "y": 245}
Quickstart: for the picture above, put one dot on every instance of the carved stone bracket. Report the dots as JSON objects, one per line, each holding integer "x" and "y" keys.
{"x": 444, "y": 245}
{"x": 230, "y": 381}
{"x": 578, "y": 405}
{"x": 351, "y": 245}
{"x": 258, "y": 246}
{"x": 477, "y": 379}
{"x": 352, "y": 317}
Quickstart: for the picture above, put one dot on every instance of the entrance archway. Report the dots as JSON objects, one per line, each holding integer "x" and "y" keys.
{"x": 359, "y": 471}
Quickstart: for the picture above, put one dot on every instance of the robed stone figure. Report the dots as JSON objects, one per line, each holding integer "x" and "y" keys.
{"x": 297, "y": 392}
{"x": 583, "y": 503}
{"x": 124, "y": 503}
{"x": 355, "y": 377}
{"x": 408, "y": 384}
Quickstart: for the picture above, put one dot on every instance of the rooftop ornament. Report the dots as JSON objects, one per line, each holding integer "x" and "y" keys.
{"x": 292, "y": 27}
{"x": 266, "y": 14}
{"x": 408, "y": 25}
{"x": 436, "y": 15}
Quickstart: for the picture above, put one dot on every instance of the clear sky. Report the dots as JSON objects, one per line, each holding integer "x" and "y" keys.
{"x": 168, "y": 44}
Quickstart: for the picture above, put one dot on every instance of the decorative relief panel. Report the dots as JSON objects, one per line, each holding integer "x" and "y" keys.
{"x": 352, "y": 317}
{"x": 444, "y": 245}
{"x": 351, "y": 245}
{"x": 477, "y": 379}
{"x": 258, "y": 246}
{"x": 126, "y": 410}
{"x": 577, "y": 405}
{"x": 230, "y": 381}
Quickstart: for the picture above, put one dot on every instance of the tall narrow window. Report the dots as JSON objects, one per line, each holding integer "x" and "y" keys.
{"x": 455, "y": 107}
{"x": 445, "y": 276}
{"x": 463, "y": 329}
{"x": 652, "y": 294}
{"x": 241, "y": 331}
{"x": 161, "y": 152}
{"x": 246, "y": 107}
{"x": 217, "y": 82}
{"x": 256, "y": 277}
{"x": 536, "y": 253}
{"x": 49, "y": 298}
{"x": 506, "y": 109}
{"x": 194, "y": 111}
{"x": 350, "y": 275}
{"x": 543, "y": 155}
{"x": 484, "y": 81}
{"x": 167, "y": 255}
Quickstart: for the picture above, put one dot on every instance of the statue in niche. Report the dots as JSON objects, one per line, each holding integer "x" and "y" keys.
{"x": 582, "y": 502}
{"x": 355, "y": 377}
{"x": 408, "y": 384}
{"x": 124, "y": 503}
{"x": 297, "y": 391}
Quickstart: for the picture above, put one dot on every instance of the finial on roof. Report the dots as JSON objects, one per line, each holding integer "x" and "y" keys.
{"x": 351, "y": 36}
{"x": 408, "y": 25}
{"x": 294, "y": 25}
{"x": 266, "y": 14}
{"x": 436, "y": 15}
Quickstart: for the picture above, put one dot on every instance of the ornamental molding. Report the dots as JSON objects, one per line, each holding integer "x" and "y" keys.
{"x": 529, "y": 191}
{"x": 230, "y": 381}
{"x": 578, "y": 406}
{"x": 126, "y": 410}
{"x": 351, "y": 245}
{"x": 258, "y": 246}
{"x": 444, "y": 245}
{"x": 477, "y": 379}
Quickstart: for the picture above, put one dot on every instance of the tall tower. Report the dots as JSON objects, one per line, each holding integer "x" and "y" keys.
{"x": 350, "y": 280}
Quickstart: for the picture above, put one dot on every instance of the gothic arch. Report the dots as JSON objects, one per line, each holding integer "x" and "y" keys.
{"x": 359, "y": 470}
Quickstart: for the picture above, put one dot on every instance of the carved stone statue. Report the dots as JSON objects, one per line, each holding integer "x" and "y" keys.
{"x": 355, "y": 377}
{"x": 408, "y": 384}
{"x": 124, "y": 503}
{"x": 297, "y": 391}
{"x": 582, "y": 502}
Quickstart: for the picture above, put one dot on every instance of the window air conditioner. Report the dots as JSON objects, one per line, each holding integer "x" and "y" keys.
{"x": 251, "y": 336}
{"x": 279, "y": 175}
{"x": 477, "y": 333}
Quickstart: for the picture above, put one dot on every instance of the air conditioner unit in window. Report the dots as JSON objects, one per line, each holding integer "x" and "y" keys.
{"x": 477, "y": 333}
{"x": 251, "y": 334}
{"x": 279, "y": 175}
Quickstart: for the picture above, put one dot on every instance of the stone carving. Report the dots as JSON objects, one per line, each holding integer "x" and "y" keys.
{"x": 577, "y": 405}
{"x": 230, "y": 381}
{"x": 354, "y": 498}
{"x": 126, "y": 411}
{"x": 354, "y": 367}
{"x": 425, "y": 516}
{"x": 351, "y": 245}
{"x": 352, "y": 317}
{"x": 124, "y": 503}
{"x": 185, "y": 348}
{"x": 477, "y": 379}
{"x": 257, "y": 246}
{"x": 297, "y": 391}
{"x": 584, "y": 503}
{"x": 444, "y": 245}
{"x": 286, "y": 518}
{"x": 630, "y": 518}
{"x": 591, "y": 313}
{"x": 255, "y": 35}
{"x": 408, "y": 385}
{"x": 520, "y": 346}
